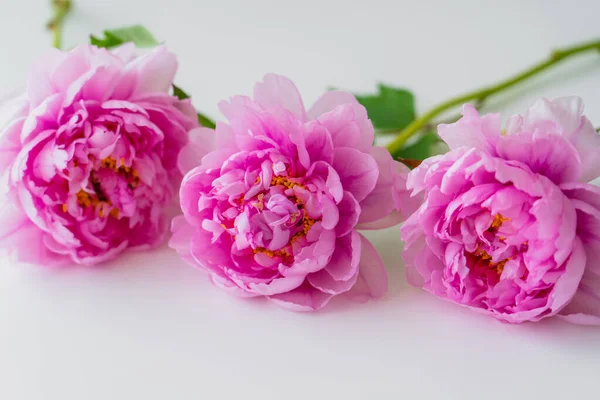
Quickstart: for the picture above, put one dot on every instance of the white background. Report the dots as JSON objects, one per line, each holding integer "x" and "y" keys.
{"x": 149, "y": 327}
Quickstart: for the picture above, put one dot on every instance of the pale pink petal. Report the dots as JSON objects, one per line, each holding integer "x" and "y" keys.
{"x": 153, "y": 72}
{"x": 303, "y": 298}
{"x": 349, "y": 126}
{"x": 201, "y": 142}
{"x": 279, "y": 91}
{"x": 471, "y": 130}
{"x": 328, "y": 101}
{"x": 358, "y": 171}
{"x": 564, "y": 116}
{"x": 372, "y": 279}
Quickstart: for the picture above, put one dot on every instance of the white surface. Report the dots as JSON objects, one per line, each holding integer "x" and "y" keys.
{"x": 150, "y": 327}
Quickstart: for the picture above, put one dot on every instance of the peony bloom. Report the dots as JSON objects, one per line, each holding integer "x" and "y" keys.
{"x": 509, "y": 226}
{"x": 89, "y": 155}
{"x": 273, "y": 209}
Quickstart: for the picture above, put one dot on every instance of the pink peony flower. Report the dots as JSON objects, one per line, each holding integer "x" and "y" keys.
{"x": 509, "y": 227}
{"x": 89, "y": 155}
{"x": 273, "y": 209}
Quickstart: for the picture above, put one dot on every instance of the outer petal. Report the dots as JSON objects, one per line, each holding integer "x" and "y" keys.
{"x": 390, "y": 201}
{"x": 421, "y": 264}
{"x": 201, "y": 142}
{"x": 39, "y": 83}
{"x": 181, "y": 239}
{"x": 564, "y": 116}
{"x": 279, "y": 91}
{"x": 358, "y": 171}
{"x": 319, "y": 144}
{"x": 349, "y": 126}
{"x": 303, "y": 298}
{"x": 584, "y": 308}
{"x": 342, "y": 271}
{"x": 546, "y": 154}
{"x": 472, "y": 131}
{"x": 372, "y": 280}
{"x": 330, "y": 100}
{"x": 153, "y": 72}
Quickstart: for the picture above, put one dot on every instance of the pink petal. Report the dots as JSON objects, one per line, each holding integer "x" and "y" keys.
{"x": 276, "y": 286}
{"x": 372, "y": 280}
{"x": 349, "y": 211}
{"x": 39, "y": 84}
{"x": 390, "y": 201}
{"x": 318, "y": 142}
{"x": 303, "y": 298}
{"x": 181, "y": 238}
{"x": 346, "y": 257}
{"x": 152, "y": 72}
{"x": 349, "y": 126}
{"x": 201, "y": 142}
{"x": 472, "y": 131}
{"x": 230, "y": 287}
{"x": 328, "y": 101}
{"x": 278, "y": 91}
{"x": 546, "y": 154}
{"x": 564, "y": 116}
{"x": 358, "y": 171}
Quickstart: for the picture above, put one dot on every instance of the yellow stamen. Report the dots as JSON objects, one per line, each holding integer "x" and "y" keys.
{"x": 64, "y": 207}
{"x": 283, "y": 253}
{"x": 283, "y": 181}
{"x": 497, "y": 222}
{"x": 486, "y": 258}
{"x": 109, "y": 163}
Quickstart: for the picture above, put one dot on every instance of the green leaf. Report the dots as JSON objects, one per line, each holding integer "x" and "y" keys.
{"x": 421, "y": 149}
{"x": 202, "y": 119}
{"x": 206, "y": 122}
{"x": 136, "y": 34}
{"x": 179, "y": 93}
{"x": 391, "y": 109}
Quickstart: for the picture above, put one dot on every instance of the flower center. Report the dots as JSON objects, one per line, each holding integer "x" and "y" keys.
{"x": 481, "y": 257}
{"x": 497, "y": 223}
{"x": 299, "y": 222}
{"x": 97, "y": 199}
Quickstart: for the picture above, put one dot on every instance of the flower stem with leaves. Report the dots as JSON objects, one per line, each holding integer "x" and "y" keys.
{"x": 482, "y": 94}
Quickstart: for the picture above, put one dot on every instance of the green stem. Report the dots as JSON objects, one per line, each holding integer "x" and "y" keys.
{"x": 482, "y": 94}
{"x": 61, "y": 9}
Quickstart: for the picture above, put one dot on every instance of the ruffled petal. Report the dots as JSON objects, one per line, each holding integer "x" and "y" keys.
{"x": 358, "y": 171}
{"x": 201, "y": 142}
{"x": 472, "y": 131}
{"x": 279, "y": 91}
{"x": 349, "y": 126}
{"x": 564, "y": 116}
{"x": 303, "y": 298}
{"x": 372, "y": 281}
{"x": 330, "y": 100}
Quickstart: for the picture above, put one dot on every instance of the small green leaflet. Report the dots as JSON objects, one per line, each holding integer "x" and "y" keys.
{"x": 202, "y": 119}
{"x": 179, "y": 93}
{"x": 390, "y": 110}
{"x": 136, "y": 34}
{"x": 206, "y": 122}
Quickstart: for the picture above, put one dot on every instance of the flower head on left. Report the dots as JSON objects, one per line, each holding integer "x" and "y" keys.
{"x": 89, "y": 154}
